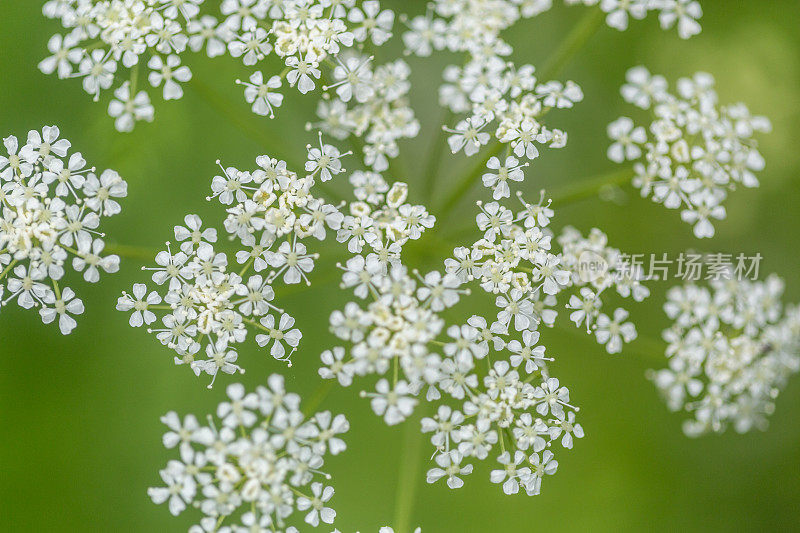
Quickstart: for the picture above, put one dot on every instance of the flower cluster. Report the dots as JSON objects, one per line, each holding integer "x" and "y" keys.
{"x": 111, "y": 39}
{"x": 209, "y": 306}
{"x": 381, "y": 221}
{"x": 400, "y": 338}
{"x": 495, "y": 373}
{"x": 371, "y": 105}
{"x": 731, "y": 348}
{"x": 696, "y": 149}
{"x": 682, "y": 14}
{"x": 515, "y": 261}
{"x": 491, "y": 91}
{"x": 51, "y": 207}
{"x": 256, "y": 466}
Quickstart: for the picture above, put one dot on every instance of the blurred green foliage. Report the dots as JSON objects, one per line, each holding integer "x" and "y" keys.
{"x": 80, "y": 439}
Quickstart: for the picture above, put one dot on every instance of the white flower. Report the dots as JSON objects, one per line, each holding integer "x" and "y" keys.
{"x": 498, "y": 180}
{"x": 696, "y": 150}
{"x": 373, "y": 23}
{"x": 685, "y": 13}
{"x": 568, "y": 428}
{"x": 139, "y": 302}
{"x": 527, "y": 352}
{"x": 468, "y": 136}
{"x": 554, "y": 94}
{"x": 278, "y": 335}
{"x": 353, "y": 78}
{"x": 128, "y": 110}
{"x": 98, "y": 71}
{"x": 324, "y": 160}
{"x": 627, "y": 140}
{"x": 642, "y": 87}
{"x": 318, "y": 511}
{"x": 63, "y": 306}
{"x": 208, "y": 31}
{"x": 65, "y": 55}
{"x": 723, "y": 351}
{"x": 192, "y": 235}
{"x": 251, "y": 46}
{"x": 544, "y": 466}
{"x": 293, "y": 262}
{"x": 511, "y": 473}
{"x": 393, "y": 403}
{"x": 449, "y": 467}
{"x": 302, "y": 73}
{"x": 210, "y": 307}
{"x": 619, "y": 10}
{"x": 614, "y": 332}
{"x": 335, "y": 367}
{"x": 261, "y": 94}
{"x": 170, "y": 72}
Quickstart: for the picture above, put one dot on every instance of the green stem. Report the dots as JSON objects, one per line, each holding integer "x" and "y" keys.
{"x": 246, "y": 266}
{"x": 466, "y": 183}
{"x": 434, "y": 160}
{"x": 5, "y": 272}
{"x": 319, "y": 395}
{"x": 591, "y": 187}
{"x": 575, "y": 40}
{"x": 237, "y": 115}
{"x": 585, "y": 189}
{"x": 131, "y": 252}
{"x": 134, "y": 81}
{"x": 255, "y": 324}
{"x": 408, "y": 476}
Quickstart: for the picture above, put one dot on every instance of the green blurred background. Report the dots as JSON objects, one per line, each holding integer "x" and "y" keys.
{"x": 80, "y": 439}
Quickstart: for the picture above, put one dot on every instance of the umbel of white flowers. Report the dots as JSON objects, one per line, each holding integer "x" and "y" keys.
{"x": 731, "y": 348}
{"x": 256, "y": 467}
{"x": 696, "y": 150}
{"x": 51, "y": 207}
{"x": 496, "y": 371}
{"x": 207, "y": 307}
{"x": 111, "y": 41}
{"x": 369, "y": 103}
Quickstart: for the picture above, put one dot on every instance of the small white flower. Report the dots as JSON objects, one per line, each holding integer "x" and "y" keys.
{"x": 170, "y": 72}
{"x": 302, "y": 74}
{"x": 449, "y": 466}
{"x": 262, "y": 95}
{"x": 613, "y": 332}
{"x": 394, "y": 404}
{"x": 324, "y": 160}
{"x": 139, "y": 302}
{"x": 128, "y": 110}
{"x": 63, "y": 306}
{"x": 279, "y": 335}
{"x": 318, "y": 511}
